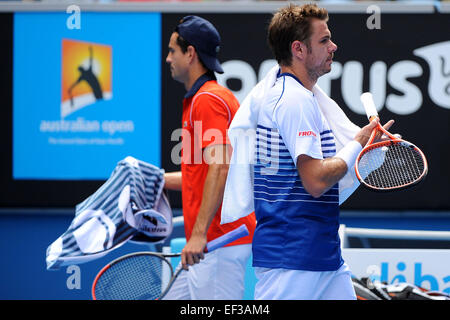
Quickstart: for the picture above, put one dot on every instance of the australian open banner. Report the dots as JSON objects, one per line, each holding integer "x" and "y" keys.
{"x": 84, "y": 98}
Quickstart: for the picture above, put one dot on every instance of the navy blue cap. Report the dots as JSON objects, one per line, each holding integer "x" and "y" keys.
{"x": 204, "y": 37}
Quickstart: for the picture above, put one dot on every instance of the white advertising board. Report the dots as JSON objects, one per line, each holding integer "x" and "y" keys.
{"x": 426, "y": 268}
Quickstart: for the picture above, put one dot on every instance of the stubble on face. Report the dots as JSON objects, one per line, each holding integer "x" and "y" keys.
{"x": 320, "y": 50}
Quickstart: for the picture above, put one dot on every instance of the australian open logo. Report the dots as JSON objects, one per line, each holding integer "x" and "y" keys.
{"x": 86, "y": 74}
{"x": 86, "y": 79}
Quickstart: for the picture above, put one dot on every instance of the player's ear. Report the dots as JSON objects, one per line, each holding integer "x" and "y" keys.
{"x": 191, "y": 52}
{"x": 298, "y": 49}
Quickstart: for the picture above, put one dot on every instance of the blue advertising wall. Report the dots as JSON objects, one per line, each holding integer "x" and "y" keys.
{"x": 88, "y": 142}
{"x": 47, "y": 147}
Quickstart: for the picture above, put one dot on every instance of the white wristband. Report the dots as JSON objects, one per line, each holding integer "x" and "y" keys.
{"x": 349, "y": 153}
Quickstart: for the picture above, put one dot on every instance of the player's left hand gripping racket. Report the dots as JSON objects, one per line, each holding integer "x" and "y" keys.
{"x": 147, "y": 275}
{"x": 391, "y": 164}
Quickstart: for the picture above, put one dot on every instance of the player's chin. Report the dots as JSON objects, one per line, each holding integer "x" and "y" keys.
{"x": 325, "y": 70}
{"x": 328, "y": 65}
{"x": 174, "y": 74}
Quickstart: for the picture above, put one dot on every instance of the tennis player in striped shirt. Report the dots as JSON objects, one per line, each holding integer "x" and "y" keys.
{"x": 296, "y": 247}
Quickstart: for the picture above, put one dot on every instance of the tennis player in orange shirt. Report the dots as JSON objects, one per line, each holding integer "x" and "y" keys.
{"x": 208, "y": 109}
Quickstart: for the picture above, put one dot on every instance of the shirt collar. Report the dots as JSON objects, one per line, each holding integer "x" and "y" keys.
{"x": 290, "y": 75}
{"x": 199, "y": 83}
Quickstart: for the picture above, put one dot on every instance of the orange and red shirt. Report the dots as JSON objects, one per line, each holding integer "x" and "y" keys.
{"x": 208, "y": 109}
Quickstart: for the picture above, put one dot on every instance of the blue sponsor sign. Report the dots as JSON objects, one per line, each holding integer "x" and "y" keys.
{"x": 87, "y": 96}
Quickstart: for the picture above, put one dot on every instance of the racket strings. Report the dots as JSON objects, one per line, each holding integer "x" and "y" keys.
{"x": 391, "y": 166}
{"x": 135, "y": 278}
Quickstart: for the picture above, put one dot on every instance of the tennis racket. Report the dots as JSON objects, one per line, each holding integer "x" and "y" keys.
{"x": 147, "y": 275}
{"x": 391, "y": 164}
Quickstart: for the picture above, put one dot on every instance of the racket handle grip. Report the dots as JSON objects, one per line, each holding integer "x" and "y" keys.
{"x": 369, "y": 105}
{"x": 227, "y": 238}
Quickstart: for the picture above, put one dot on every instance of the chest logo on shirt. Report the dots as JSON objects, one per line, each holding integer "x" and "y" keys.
{"x": 306, "y": 133}
{"x": 185, "y": 124}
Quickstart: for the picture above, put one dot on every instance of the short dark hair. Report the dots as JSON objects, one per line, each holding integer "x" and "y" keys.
{"x": 289, "y": 24}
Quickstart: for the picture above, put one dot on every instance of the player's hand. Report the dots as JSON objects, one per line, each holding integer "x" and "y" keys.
{"x": 364, "y": 134}
{"x": 382, "y": 137}
{"x": 193, "y": 251}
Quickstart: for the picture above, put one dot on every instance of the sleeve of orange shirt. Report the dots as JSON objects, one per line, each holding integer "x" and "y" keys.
{"x": 215, "y": 116}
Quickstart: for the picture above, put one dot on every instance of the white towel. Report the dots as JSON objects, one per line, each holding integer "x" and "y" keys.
{"x": 238, "y": 196}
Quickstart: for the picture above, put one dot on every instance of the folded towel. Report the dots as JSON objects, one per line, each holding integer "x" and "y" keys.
{"x": 238, "y": 195}
{"x": 130, "y": 205}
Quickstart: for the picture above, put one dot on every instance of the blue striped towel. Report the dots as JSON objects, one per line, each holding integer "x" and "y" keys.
{"x": 124, "y": 208}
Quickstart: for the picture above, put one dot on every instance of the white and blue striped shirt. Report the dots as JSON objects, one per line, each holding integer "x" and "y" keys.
{"x": 294, "y": 229}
